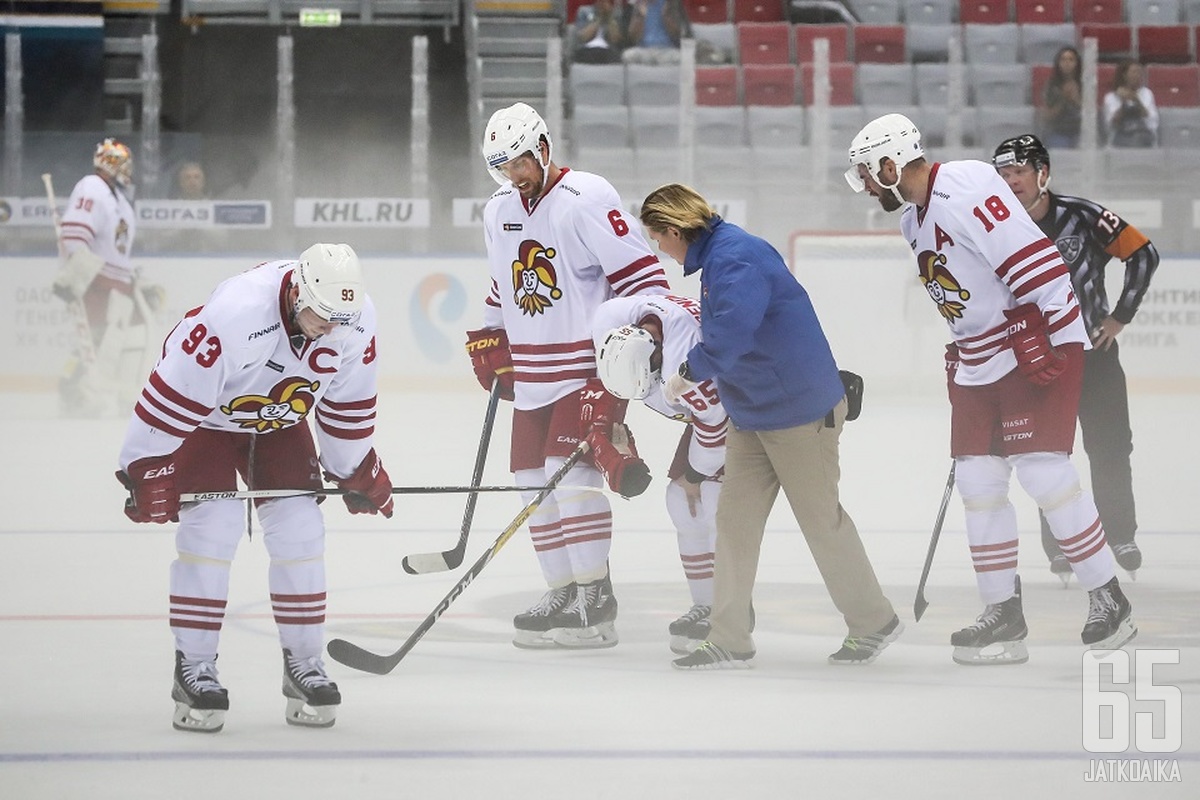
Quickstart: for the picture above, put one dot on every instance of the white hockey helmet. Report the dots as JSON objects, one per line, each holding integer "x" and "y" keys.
{"x": 893, "y": 136}
{"x": 623, "y": 362}
{"x": 511, "y": 133}
{"x": 115, "y": 161}
{"x": 330, "y": 281}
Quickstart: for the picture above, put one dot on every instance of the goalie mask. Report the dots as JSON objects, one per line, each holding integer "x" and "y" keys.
{"x": 330, "y": 281}
{"x": 623, "y": 362}
{"x": 114, "y": 161}
{"x": 511, "y": 133}
{"x": 892, "y": 136}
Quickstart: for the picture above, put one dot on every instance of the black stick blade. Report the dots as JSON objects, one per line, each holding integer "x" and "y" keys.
{"x": 362, "y": 660}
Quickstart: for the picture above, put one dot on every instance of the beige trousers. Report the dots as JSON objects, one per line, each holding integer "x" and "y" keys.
{"x": 803, "y": 461}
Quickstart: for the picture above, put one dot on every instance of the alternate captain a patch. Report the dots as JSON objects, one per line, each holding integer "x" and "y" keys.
{"x": 535, "y": 280}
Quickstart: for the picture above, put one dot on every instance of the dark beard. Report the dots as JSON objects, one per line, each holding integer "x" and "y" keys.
{"x": 889, "y": 201}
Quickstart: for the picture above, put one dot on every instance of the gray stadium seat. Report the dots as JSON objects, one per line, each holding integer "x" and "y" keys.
{"x": 928, "y": 12}
{"x": 997, "y": 123}
{"x": 1179, "y": 127}
{"x": 1152, "y": 12}
{"x": 999, "y": 84}
{"x": 719, "y": 126}
{"x": 722, "y": 41}
{"x": 876, "y": 12}
{"x": 991, "y": 44}
{"x": 775, "y": 127}
{"x": 931, "y": 82}
{"x": 654, "y": 126}
{"x": 844, "y": 123}
{"x": 597, "y": 84}
{"x": 652, "y": 84}
{"x": 1040, "y": 43}
{"x": 600, "y": 127}
{"x": 879, "y": 84}
{"x": 929, "y": 42}
{"x": 1191, "y": 11}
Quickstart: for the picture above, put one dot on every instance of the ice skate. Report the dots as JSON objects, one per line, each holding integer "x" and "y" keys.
{"x": 997, "y": 637}
{"x": 1110, "y": 620}
{"x": 713, "y": 656}
{"x": 587, "y": 621}
{"x": 1129, "y": 558}
{"x": 690, "y": 630}
{"x": 534, "y": 629}
{"x": 865, "y": 649}
{"x": 1060, "y": 566}
{"x": 312, "y": 699}
{"x": 200, "y": 699}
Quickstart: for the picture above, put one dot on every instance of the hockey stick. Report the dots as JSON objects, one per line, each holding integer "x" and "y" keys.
{"x": 83, "y": 331}
{"x": 267, "y": 494}
{"x": 451, "y": 559}
{"x": 356, "y": 657}
{"x": 920, "y": 604}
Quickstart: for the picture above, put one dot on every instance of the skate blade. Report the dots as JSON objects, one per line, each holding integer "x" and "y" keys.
{"x": 997, "y": 654}
{"x": 1126, "y": 630}
{"x": 594, "y": 637}
{"x": 300, "y": 713}
{"x": 196, "y": 720}
{"x": 682, "y": 645}
{"x": 534, "y": 640}
{"x": 1065, "y": 577}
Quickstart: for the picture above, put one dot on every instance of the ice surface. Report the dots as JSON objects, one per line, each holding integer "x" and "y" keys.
{"x": 85, "y": 650}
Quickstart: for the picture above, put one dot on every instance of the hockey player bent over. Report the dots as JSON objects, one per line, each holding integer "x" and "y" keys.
{"x": 558, "y": 246}
{"x": 1015, "y": 369}
{"x": 231, "y": 395}
{"x": 638, "y": 340}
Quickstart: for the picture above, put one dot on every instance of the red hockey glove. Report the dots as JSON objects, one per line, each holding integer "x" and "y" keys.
{"x": 491, "y": 359}
{"x": 369, "y": 489}
{"x": 1037, "y": 359}
{"x": 599, "y": 408}
{"x": 617, "y": 459}
{"x": 152, "y": 493}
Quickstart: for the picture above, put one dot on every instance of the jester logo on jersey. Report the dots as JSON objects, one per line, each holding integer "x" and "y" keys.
{"x": 290, "y": 400}
{"x": 941, "y": 285}
{"x": 535, "y": 281}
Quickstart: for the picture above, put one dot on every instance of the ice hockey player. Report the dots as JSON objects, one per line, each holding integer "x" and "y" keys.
{"x": 559, "y": 244}
{"x": 1089, "y": 236}
{"x": 638, "y": 340}
{"x": 1014, "y": 367}
{"x": 96, "y": 245}
{"x": 232, "y": 394}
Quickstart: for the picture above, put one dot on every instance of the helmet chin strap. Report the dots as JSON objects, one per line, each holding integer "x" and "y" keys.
{"x": 892, "y": 187}
{"x": 1043, "y": 186}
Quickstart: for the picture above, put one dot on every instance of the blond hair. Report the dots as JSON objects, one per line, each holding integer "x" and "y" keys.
{"x": 677, "y": 206}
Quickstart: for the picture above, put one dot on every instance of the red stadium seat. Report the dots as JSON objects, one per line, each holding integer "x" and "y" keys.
{"x": 769, "y": 84}
{"x": 764, "y": 42}
{"x": 837, "y": 33}
{"x": 841, "y": 80}
{"x": 879, "y": 44}
{"x": 1174, "y": 84}
{"x": 1164, "y": 44}
{"x": 717, "y": 86}
{"x": 1104, "y": 11}
{"x": 983, "y": 11}
{"x": 758, "y": 11}
{"x": 1043, "y": 12}
{"x": 1113, "y": 41}
{"x": 706, "y": 11}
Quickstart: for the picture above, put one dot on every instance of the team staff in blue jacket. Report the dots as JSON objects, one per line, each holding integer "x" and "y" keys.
{"x": 766, "y": 351}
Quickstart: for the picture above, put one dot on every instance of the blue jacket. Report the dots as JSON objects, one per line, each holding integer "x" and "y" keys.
{"x": 762, "y": 341}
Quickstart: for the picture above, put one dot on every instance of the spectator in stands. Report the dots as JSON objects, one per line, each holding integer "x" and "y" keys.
{"x": 1130, "y": 116}
{"x": 190, "y": 182}
{"x": 1063, "y": 100}
{"x": 599, "y": 32}
{"x": 653, "y": 30}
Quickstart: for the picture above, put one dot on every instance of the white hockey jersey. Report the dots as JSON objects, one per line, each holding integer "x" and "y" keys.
{"x": 230, "y": 365}
{"x": 551, "y": 266}
{"x": 101, "y": 219}
{"x": 978, "y": 254}
{"x": 680, "y": 320}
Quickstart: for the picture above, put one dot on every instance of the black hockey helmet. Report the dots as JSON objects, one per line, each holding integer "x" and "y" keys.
{"x": 1023, "y": 149}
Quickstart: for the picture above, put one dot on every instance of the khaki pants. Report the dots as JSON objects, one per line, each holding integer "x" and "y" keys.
{"x": 804, "y": 461}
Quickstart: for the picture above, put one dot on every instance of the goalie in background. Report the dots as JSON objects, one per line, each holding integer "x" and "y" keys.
{"x": 97, "y": 279}
{"x": 638, "y": 340}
